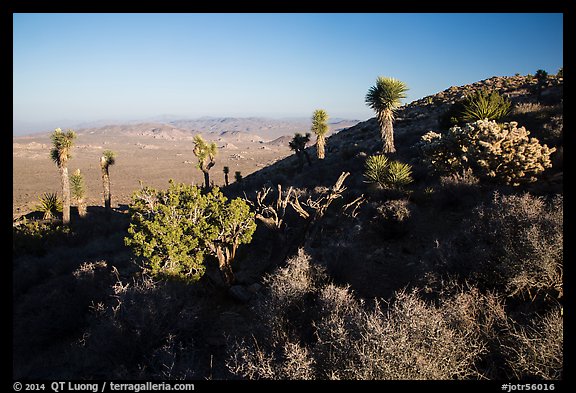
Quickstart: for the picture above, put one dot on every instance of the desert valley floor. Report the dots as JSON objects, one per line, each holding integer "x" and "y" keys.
{"x": 149, "y": 159}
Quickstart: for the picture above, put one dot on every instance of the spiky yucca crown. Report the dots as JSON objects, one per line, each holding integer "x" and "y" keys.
{"x": 62, "y": 144}
{"x": 299, "y": 141}
{"x": 319, "y": 119}
{"x": 108, "y": 157}
{"x": 386, "y": 94}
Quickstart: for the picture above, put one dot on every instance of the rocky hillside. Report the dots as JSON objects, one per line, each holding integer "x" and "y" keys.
{"x": 538, "y": 106}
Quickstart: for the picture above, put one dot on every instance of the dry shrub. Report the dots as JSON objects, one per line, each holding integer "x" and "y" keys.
{"x": 514, "y": 244}
{"x": 413, "y": 340}
{"x": 553, "y": 130}
{"x": 277, "y": 351}
{"x": 337, "y": 328}
{"x": 527, "y": 107}
{"x": 286, "y": 307}
{"x": 521, "y": 237}
{"x": 139, "y": 333}
{"x": 395, "y": 210}
{"x": 461, "y": 333}
{"x": 393, "y": 218}
{"x": 408, "y": 338}
{"x": 536, "y": 350}
{"x": 288, "y": 361}
{"x": 458, "y": 190}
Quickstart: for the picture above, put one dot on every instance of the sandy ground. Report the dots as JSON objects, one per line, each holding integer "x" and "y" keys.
{"x": 152, "y": 161}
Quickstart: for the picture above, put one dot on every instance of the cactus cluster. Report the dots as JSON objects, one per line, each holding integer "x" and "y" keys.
{"x": 501, "y": 152}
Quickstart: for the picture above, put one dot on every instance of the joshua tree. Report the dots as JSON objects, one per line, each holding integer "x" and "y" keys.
{"x": 226, "y": 172}
{"x": 205, "y": 152}
{"x": 238, "y": 176}
{"x": 78, "y": 188}
{"x": 320, "y": 128}
{"x": 541, "y": 77}
{"x": 60, "y": 154}
{"x": 298, "y": 144}
{"x": 108, "y": 158}
{"x": 384, "y": 98}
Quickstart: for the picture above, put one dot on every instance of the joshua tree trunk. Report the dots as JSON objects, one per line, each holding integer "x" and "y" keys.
{"x": 106, "y": 185}
{"x": 320, "y": 145}
{"x": 226, "y": 179}
{"x": 387, "y": 131}
{"x": 300, "y": 162}
{"x": 206, "y": 180}
{"x": 307, "y": 157}
{"x": 65, "y": 195}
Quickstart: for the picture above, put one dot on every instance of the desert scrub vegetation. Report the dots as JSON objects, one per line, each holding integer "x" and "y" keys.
{"x": 174, "y": 230}
{"x": 144, "y": 328}
{"x": 393, "y": 218}
{"x": 315, "y": 329}
{"x": 500, "y": 152}
{"x": 37, "y": 237}
{"x": 526, "y": 234}
{"x": 535, "y": 351}
{"x": 514, "y": 244}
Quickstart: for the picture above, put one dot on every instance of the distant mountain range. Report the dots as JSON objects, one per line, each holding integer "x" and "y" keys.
{"x": 213, "y": 128}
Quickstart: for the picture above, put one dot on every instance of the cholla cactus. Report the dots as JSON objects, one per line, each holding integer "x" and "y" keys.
{"x": 502, "y": 152}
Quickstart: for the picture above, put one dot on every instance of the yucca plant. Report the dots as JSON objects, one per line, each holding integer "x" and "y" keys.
{"x": 50, "y": 205}
{"x": 484, "y": 105}
{"x": 388, "y": 174}
{"x": 398, "y": 174}
{"x": 376, "y": 167}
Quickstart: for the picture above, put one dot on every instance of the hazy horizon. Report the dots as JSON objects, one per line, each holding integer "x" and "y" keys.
{"x": 26, "y": 129}
{"x": 70, "y": 69}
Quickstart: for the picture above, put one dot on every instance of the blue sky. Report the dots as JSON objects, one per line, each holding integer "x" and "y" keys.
{"x": 71, "y": 68}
